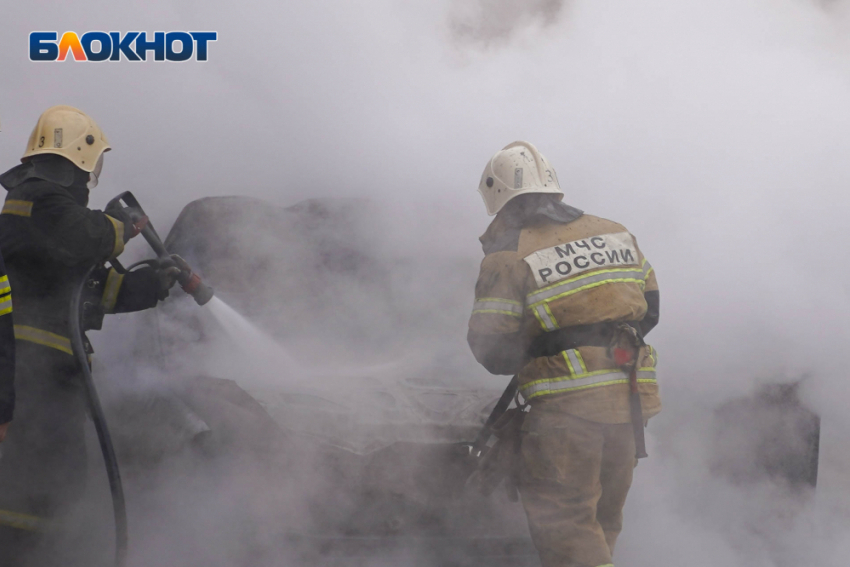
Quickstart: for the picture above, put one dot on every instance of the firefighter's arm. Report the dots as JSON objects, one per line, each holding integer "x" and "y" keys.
{"x": 499, "y": 354}
{"x": 7, "y": 353}
{"x": 494, "y": 327}
{"x": 80, "y": 235}
{"x": 137, "y": 290}
{"x": 652, "y": 297}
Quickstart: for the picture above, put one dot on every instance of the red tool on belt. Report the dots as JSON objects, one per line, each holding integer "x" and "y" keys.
{"x": 627, "y": 360}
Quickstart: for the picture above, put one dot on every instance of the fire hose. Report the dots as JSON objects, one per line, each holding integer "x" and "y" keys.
{"x": 190, "y": 283}
{"x": 478, "y": 446}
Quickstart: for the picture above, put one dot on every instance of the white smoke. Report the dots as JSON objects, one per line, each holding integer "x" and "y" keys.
{"x": 490, "y": 22}
{"x": 716, "y": 131}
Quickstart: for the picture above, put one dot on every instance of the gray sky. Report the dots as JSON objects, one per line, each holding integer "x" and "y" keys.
{"x": 717, "y": 131}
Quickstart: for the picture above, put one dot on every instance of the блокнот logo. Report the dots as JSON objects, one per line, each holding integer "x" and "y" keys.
{"x": 110, "y": 46}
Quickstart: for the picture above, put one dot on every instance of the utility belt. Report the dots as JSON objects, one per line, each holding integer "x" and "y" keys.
{"x": 595, "y": 334}
{"x": 623, "y": 341}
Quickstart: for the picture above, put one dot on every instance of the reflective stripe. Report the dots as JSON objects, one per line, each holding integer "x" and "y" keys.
{"x": 654, "y": 354}
{"x": 569, "y": 287}
{"x": 119, "y": 236}
{"x": 582, "y": 381}
{"x": 5, "y": 296}
{"x": 21, "y": 521}
{"x": 497, "y": 305}
{"x": 544, "y": 315}
{"x": 647, "y": 268}
{"x": 574, "y": 361}
{"x": 19, "y": 208}
{"x": 5, "y": 304}
{"x": 110, "y": 291}
{"x": 45, "y": 338}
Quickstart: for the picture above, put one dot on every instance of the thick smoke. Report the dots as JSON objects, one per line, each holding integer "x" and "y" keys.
{"x": 716, "y": 131}
{"x": 496, "y": 21}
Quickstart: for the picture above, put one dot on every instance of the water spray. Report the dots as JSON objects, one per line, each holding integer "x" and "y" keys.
{"x": 191, "y": 284}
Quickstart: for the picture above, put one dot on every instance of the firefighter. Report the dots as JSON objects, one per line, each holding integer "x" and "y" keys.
{"x": 7, "y": 354}
{"x": 559, "y": 292}
{"x": 50, "y": 238}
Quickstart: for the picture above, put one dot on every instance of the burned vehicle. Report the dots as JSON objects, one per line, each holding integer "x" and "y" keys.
{"x": 321, "y": 406}
{"x": 338, "y": 367}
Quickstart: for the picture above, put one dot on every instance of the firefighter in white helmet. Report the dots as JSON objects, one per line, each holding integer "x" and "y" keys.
{"x": 50, "y": 239}
{"x": 563, "y": 301}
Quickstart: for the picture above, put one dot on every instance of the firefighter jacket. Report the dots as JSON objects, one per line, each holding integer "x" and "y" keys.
{"x": 552, "y": 272}
{"x": 50, "y": 239}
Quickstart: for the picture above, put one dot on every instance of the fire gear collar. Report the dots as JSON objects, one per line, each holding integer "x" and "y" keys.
{"x": 524, "y": 211}
{"x": 47, "y": 167}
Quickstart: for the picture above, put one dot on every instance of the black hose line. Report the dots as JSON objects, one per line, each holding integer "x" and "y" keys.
{"x": 118, "y": 505}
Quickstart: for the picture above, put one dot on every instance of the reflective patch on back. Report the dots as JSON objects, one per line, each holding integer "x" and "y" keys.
{"x": 572, "y": 258}
{"x": 17, "y": 207}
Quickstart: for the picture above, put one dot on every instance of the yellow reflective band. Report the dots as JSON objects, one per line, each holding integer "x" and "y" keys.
{"x": 19, "y": 208}
{"x": 498, "y": 306}
{"x": 545, "y": 317}
{"x": 590, "y": 285}
{"x": 570, "y": 368}
{"x": 539, "y": 318}
{"x": 21, "y": 521}
{"x": 44, "y": 338}
{"x": 653, "y": 354}
{"x": 581, "y": 361}
{"x": 583, "y": 282}
{"x": 4, "y": 285}
{"x": 119, "y": 236}
{"x": 5, "y": 304}
{"x": 551, "y": 316}
{"x": 547, "y": 291}
{"x": 647, "y": 268}
{"x": 583, "y": 381}
{"x": 574, "y": 361}
{"x": 110, "y": 291}
{"x": 511, "y": 301}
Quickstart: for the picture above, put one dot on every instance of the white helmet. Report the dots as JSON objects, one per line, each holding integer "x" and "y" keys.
{"x": 515, "y": 170}
{"x": 70, "y": 133}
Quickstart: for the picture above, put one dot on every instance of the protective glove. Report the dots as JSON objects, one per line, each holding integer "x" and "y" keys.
{"x": 133, "y": 220}
{"x": 501, "y": 461}
{"x": 185, "y": 268}
{"x": 167, "y": 273}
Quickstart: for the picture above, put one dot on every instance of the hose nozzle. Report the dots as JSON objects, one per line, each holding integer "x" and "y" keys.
{"x": 194, "y": 286}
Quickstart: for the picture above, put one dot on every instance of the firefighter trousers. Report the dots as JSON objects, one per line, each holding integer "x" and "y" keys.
{"x": 43, "y": 463}
{"x": 575, "y": 476}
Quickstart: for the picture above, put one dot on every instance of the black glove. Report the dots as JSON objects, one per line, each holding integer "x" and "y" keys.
{"x": 133, "y": 220}
{"x": 167, "y": 273}
{"x": 184, "y": 266}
